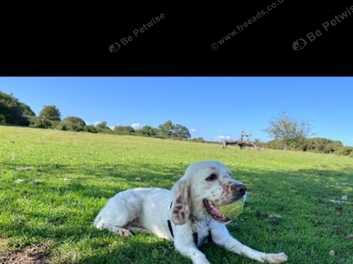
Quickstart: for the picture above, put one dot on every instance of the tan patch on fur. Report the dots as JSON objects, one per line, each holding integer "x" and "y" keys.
{"x": 181, "y": 205}
{"x": 178, "y": 207}
{"x": 179, "y": 200}
{"x": 182, "y": 214}
{"x": 227, "y": 189}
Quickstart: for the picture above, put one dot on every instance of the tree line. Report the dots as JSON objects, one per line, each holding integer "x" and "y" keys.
{"x": 289, "y": 134}
{"x": 285, "y": 133}
{"x": 14, "y": 112}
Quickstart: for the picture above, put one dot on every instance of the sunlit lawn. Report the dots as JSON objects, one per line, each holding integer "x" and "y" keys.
{"x": 53, "y": 183}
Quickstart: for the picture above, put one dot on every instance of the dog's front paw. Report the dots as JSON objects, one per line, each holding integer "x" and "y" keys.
{"x": 200, "y": 260}
{"x": 276, "y": 258}
{"x": 122, "y": 232}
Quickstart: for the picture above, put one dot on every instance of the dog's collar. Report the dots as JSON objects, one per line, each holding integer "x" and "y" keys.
{"x": 194, "y": 234}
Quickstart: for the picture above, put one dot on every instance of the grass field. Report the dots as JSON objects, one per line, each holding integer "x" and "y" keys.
{"x": 53, "y": 183}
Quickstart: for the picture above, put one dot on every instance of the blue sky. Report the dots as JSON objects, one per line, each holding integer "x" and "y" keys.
{"x": 211, "y": 107}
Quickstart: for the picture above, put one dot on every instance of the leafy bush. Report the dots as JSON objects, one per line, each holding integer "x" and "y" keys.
{"x": 50, "y": 112}
{"x": 124, "y": 130}
{"x": 168, "y": 129}
{"x": 13, "y": 112}
{"x": 91, "y": 129}
{"x": 320, "y": 145}
{"x": 346, "y": 151}
{"x": 61, "y": 126}
{"x": 72, "y": 123}
{"x": 102, "y": 127}
{"x": 2, "y": 119}
{"x": 39, "y": 122}
{"x": 148, "y": 131}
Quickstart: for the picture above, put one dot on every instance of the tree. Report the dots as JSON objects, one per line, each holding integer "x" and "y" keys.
{"x": 14, "y": 112}
{"x": 91, "y": 129}
{"x": 288, "y": 131}
{"x": 72, "y": 123}
{"x": 102, "y": 127}
{"x": 322, "y": 145}
{"x": 168, "y": 129}
{"x": 50, "y": 112}
{"x": 148, "y": 131}
{"x": 39, "y": 122}
{"x": 124, "y": 130}
{"x": 49, "y": 117}
{"x": 181, "y": 131}
{"x": 2, "y": 119}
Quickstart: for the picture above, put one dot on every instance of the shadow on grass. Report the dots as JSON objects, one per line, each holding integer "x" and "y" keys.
{"x": 158, "y": 252}
{"x": 301, "y": 198}
{"x": 133, "y": 251}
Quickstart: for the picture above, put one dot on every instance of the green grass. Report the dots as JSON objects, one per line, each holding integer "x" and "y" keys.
{"x": 66, "y": 178}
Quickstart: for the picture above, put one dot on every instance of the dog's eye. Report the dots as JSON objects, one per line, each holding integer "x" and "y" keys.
{"x": 212, "y": 177}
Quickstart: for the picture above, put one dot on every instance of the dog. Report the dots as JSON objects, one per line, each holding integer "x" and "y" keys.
{"x": 187, "y": 214}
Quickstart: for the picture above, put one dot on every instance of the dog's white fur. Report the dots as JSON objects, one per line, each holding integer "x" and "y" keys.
{"x": 150, "y": 208}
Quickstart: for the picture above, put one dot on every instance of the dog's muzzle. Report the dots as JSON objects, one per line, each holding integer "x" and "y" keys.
{"x": 238, "y": 189}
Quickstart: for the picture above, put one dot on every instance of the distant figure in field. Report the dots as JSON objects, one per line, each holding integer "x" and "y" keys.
{"x": 242, "y": 143}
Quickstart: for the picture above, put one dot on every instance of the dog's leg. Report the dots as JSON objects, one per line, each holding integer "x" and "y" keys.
{"x": 184, "y": 243}
{"x": 120, "y": 210}
{"x": 120, "y": 231}
{"x": 135, "y": 229}
{"x": 222, "y": 237}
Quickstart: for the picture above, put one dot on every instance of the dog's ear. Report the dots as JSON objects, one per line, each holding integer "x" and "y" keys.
{"x": 181, "y": 202}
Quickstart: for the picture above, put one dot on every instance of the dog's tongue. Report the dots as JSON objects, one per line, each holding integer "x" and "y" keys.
{"x": 215, "y": 212}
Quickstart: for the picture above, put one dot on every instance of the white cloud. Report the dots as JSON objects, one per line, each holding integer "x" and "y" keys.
{"x": 222, "y": 138}
{"x": 193, "y": 130}
{"x": 137, "y": 126}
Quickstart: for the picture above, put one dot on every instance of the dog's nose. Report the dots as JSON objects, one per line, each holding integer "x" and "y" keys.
{"x": 239, "y": 188}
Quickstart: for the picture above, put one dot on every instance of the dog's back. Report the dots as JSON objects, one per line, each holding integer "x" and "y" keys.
{"x": 146, "y": 207}
{"x": 122, "y": 208}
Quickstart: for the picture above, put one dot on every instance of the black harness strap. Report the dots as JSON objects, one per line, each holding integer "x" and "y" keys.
{"x": 194, "y": 235}
{"x": 196, "y": 238}
{"x": 210, "y": 236}
{"x": 170, "y": 228}
{"x": 169, "y": 223}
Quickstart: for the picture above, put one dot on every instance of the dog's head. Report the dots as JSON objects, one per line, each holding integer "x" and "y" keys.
{"x": 205, "y": 186}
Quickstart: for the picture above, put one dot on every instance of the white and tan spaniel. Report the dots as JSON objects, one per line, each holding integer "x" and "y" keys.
{"x": 187, "y": 214}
